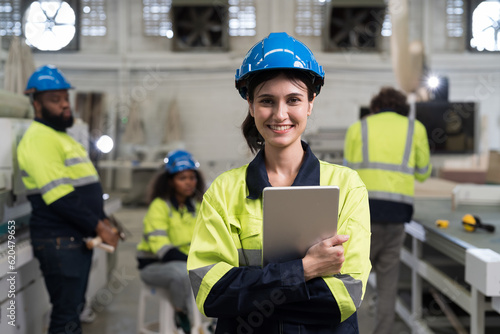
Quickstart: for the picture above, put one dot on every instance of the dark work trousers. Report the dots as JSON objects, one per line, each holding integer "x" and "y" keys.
{"x": 386, "y": 243}
{"x": 350, "y": 325}
{"x": 65, "y": 264}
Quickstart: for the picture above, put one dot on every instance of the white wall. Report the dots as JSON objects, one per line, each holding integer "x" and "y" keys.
{"x": 126, "y": 64}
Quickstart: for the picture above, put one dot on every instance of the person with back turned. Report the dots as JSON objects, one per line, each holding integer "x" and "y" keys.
{"x": 390, "y": 151}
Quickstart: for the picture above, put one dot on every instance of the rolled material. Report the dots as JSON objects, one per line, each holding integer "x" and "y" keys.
{"x": 15, "y": 105}
{"x": 97, "y": 242}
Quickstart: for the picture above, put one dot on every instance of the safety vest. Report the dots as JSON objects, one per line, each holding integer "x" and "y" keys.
{"x": 228, "y": 234}
{"x": 52, "y": 163}
{"x": 389, "y": 151}
{"x": 165, "y": 227}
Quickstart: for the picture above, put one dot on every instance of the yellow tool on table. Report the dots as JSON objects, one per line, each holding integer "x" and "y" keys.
{"x": 471, "y": 223}
{"x": 442, "y": 223}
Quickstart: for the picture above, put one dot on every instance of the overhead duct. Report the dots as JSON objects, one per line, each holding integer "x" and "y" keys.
{"x": 407, "y": 57}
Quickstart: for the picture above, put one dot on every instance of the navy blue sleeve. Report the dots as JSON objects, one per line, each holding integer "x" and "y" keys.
{"x": 278, "y": 289}
{"x": 320, "y": 308}
{"x": 74, "y": 212}
{"x": 174, "y": 255}
{"x": 102, "y": 214}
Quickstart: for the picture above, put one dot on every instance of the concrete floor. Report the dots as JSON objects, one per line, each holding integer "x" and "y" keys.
{"x": 116, "y": 307}
{"x": 116, "y": 310}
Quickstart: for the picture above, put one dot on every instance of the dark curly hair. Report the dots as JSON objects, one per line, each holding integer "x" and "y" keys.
{"x": 389, "y": 99}
{"x": 160, "y": 186}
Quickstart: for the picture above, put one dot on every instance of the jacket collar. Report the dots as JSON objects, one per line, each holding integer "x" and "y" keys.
{"x": 189, "y": 204}
{"x": 44, "y": 122}
{"x": 257, "y": 178}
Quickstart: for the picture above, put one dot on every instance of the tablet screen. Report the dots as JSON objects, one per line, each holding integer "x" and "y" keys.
{"x": 295, "y": 218}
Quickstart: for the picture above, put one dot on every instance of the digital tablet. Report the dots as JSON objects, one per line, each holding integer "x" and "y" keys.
{"x": 295, "y": 218}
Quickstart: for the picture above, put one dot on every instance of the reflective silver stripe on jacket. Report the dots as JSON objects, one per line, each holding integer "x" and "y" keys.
{"x": 387, "y": 196}
{"x": 364, "y": 140}
{"x": 409, "y": 142}
{"x": 83, "y": 181}
{"x": 155, "y": 233}
{"x": 249, "y": 257}
{"x": 196, "y": 277}
{"x": 76, "y": 161}
{"x": 353, "y": 286}
{"x": 423, "y": 170}
{"x": 146, "y": 255}
{"x": 402, "y": 168}
{"x": 54, "y": 184}
{"x": 384, "y": 166}
{"x": 65, "y": 180}
{"x": 246, "y": 257}
{"x": 367, "y": 164}
{"x": 162, "y": 251}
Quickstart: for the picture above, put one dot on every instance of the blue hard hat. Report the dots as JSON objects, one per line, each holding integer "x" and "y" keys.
{"x": 278, "y": 50}
{"x": 46, "y": 78}
{"x": 180, "y": 160}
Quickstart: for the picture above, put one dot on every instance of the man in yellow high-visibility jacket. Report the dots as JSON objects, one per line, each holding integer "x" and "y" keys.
{"x": 66, "y": 198}
{"x": 389, "y": 150}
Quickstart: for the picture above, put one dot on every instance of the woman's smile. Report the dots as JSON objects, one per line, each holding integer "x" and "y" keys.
{"x": 280, "y": 128}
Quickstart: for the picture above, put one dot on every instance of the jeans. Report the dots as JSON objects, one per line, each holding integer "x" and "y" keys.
{"x": 65, "y": 265}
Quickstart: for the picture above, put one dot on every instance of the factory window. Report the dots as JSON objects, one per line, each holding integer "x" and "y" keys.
{"x": 156, "y": 18}
{"x": 158, "y": 22}
{"x": 10, "y": 18}
{"x": 242, "y": 18}
{"x": 386, "y": 24}
{"x": 455, "y": 18}
{"x": 309, "y": 17}
{"x": 93, "y": 18}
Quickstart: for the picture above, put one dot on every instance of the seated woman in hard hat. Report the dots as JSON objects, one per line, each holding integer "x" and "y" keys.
{"x": 175, "y": 197}
{"x": 320, "y": 293}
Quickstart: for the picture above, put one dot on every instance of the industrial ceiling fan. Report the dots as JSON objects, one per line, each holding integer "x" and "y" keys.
{"x": 200, "y": 27}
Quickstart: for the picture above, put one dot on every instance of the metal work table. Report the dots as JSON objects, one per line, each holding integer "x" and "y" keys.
{"x": 454, "y": 239}
{"x": 452, "y": 242}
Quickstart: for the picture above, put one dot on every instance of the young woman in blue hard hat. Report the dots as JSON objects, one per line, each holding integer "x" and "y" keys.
{"x": 319, "y": 293}
{"x": 175, "y": 197}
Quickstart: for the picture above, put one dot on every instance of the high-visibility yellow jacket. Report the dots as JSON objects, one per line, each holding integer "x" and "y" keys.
{"x": 225, "y": 259}
{"x": 166, "y": 228}
{"x": 389, "y": 151}
{"x": 62, "y": 184}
